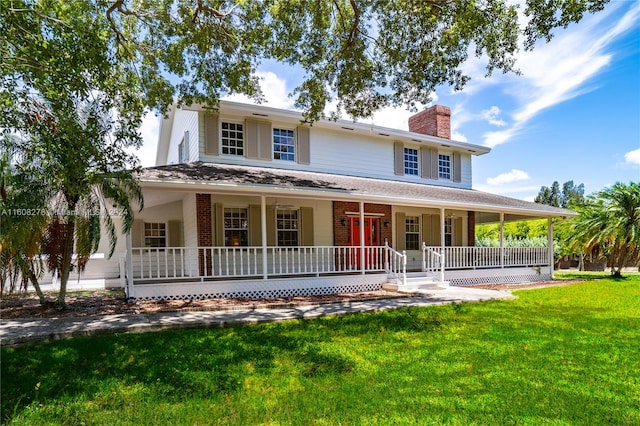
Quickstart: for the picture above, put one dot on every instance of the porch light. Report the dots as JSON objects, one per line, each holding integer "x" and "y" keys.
{"x": 343, "y": 222}
{"x": 386, "y": 223}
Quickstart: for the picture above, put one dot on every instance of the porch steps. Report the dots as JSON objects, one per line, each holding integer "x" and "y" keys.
{"x": 416, "y": 281}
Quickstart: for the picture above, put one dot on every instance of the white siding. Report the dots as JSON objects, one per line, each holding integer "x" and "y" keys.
{"x": 340, "y": 152}
{"x": 184, "y": 121}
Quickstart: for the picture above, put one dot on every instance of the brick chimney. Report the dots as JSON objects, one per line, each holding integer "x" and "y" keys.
{"x": 434, "y": 121}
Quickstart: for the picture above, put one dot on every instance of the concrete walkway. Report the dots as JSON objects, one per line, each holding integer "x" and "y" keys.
{"x": 14, "y": 332}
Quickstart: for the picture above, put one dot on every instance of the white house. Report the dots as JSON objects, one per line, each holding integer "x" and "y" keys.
{"x": 251, "y": 201}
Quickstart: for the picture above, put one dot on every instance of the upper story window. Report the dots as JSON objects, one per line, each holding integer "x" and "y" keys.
{"x": 287, "y": 226}
{"x": 444, "y": 166}
{"x": 232, "y": 138}
{"x": 236, "y": 227}
{"x": 155, "y": 235}
{"x": 284, "y": 145}
{"x": 411, "y": 161}
{"x": 412, "y": 227}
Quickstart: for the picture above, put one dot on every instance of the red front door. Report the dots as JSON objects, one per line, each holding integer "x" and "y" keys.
{"x": 371, "y": 232}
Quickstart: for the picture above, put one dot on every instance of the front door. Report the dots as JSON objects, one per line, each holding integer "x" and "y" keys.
{"x": 371, "y": 238}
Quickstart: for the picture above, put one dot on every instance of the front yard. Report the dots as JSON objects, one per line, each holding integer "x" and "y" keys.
{"x": 557, "y": 355}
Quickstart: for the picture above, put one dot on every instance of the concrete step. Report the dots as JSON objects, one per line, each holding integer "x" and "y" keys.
{"x": 415, "y": 283}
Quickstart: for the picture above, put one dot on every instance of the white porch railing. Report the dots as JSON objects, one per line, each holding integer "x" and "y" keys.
{"x": 396, "y": 264}
{"x": 433, "y": 262}
{"x": 232, "y": 262}
{"x": 492, "y": 257}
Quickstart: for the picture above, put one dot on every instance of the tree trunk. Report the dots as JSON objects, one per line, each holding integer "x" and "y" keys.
{"x": 65, "y": 263}
{"x": 34, "y": 281}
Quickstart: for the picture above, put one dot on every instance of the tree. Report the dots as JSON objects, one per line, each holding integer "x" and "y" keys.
{"x": 608, "y": 225}
{"x": 570, "y": 195}
{"x": 363, "y": 54}
{"x": 77, "y": 75}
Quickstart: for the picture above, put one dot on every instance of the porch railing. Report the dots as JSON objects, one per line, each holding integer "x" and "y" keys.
{"x": 492, "y": 257}
{"x": 396, "y": 264}
{"x": 231, "y": 262}
{"x": 433, "y": 262}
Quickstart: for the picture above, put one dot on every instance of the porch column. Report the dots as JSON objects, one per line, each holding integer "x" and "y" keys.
{"x": 130, "y": 290}
{"x": 550, "y": 246}
{"x": 263, "y": 226}
{"x": 501, "y": 240}
{"x": 362, "y": 253}
{"x": 442, "y": 239}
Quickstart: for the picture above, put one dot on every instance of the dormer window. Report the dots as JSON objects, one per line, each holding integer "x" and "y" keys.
{"x": 232, "y": 138}
{"x": 444, "y": 166}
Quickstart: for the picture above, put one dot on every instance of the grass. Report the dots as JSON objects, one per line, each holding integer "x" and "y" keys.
{"x": 558, "y": 356}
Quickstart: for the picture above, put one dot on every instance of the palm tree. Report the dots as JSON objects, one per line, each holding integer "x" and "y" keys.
{"x": 608, "y": 225}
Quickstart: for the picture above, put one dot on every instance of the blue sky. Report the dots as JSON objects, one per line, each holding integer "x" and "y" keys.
{"x": 573, "y": 114}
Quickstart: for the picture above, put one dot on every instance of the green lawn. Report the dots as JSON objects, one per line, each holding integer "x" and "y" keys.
{"x": 560, "y": 355}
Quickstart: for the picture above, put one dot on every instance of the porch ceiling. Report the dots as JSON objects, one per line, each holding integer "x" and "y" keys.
{"x": 207, "y": 177}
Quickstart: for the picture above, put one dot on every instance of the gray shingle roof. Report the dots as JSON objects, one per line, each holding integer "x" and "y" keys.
{"x": 342, "y": 185}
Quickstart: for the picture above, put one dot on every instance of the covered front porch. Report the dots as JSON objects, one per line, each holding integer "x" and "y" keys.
{"x": 209, "y": 239}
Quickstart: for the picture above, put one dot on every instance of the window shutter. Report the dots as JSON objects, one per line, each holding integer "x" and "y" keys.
{"x": 435, "y": 230}
{"x": 306, "y": 226}
{"x": 137, "y": 233}
{"x": 304, "y": 150}
{"x": 265, "y": 141}
{"x": 398, "y": 158}
{"x": 251, "y": 140}
{"x": 457, "y": 172}
{"x": 401, "y": 229}
{"x": 174, "y": 234}
{"x": 425, "y": 159}
{"x": 272, "y": 237}
{"x": 211, "y": 134}
{"x": 434, "y": 165}
{"x": 457, "y": 232}
{"x": 255, "y": 226}
{"x": 218, "y": 221}
{"x": 427, "y": 230}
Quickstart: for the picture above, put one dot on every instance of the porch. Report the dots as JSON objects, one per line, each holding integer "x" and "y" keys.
{"x": 259, "y": 272}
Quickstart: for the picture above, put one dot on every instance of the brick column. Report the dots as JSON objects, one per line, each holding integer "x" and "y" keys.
{"x": 205, "y": 232}
{"x": 471, "y": 228}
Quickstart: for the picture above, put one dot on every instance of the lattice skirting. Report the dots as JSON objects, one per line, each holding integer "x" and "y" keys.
{"x": 253, "y": 289}
{"x": 497, "y": 276}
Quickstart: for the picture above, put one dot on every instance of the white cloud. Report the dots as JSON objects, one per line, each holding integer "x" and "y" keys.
{"x": 492, "y": 116}
{"x": 514, "y": 175}
{"x": 560, "y": 70}
{"x": 273, "y": 88}
{"x": 633, "y": 157}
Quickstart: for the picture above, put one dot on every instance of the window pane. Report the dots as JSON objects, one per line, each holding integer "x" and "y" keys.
{"x": 232, "y": 139}
{"x": 444, "y": 166}
{"x": 412, "y": 227}
{"x": 283, "y": 144}
{"x": 287, "y": 227}
{"x": 411, "y": 161}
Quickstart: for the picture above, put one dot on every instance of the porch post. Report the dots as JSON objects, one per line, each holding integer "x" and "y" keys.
{"x": 442, "y": 239}
{"x": 263, "y": 226}
{"x": 550, "y": 246}
{"x": 501, "y": 240}
{"x": 130, "y": 288}
{"x": 362, "y": 253}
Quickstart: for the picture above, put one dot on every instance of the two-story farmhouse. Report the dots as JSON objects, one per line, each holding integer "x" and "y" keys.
{"x": 251, "y": 201}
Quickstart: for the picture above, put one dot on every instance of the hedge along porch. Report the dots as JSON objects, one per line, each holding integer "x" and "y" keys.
{"x": 253, "y": 232}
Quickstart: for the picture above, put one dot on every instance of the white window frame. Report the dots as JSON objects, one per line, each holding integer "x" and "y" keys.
{"x": 412, "y": 228}
{"x": 411, "y": 161}
{"x": 183, "y": 149}
{"x": 238, "y": 223}
{"x": 292, "y": 145}
{"x": 239, "y": 150}
{"x": 289, "y": 225}
{"x": 445, "y": 166}
{"x": 155, "y": 232}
